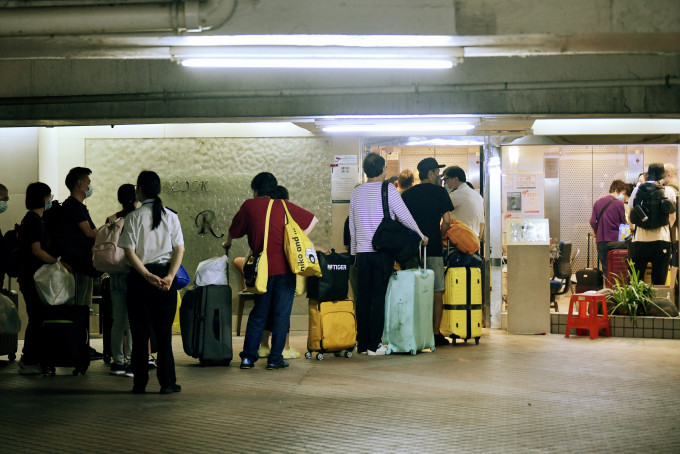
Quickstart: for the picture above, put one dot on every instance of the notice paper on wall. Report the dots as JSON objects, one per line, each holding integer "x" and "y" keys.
{"x": 344, "y": 177}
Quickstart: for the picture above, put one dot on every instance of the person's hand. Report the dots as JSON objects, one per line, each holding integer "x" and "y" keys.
{"x": 425, "y": 240}
{"x": 166, "y": 282}
{"x": 154, "y": 280}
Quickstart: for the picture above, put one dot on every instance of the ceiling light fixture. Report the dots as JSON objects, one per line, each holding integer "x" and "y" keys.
{"x": 318, "y": 63}
{"x": 399, "y": 127}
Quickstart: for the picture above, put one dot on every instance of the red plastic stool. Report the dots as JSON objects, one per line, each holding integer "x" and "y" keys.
{"x": 587, "y": 318}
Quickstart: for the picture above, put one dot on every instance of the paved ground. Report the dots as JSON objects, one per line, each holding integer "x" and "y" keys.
{"x": 508, "y": 394}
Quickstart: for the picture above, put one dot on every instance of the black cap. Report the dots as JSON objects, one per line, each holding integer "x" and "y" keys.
{"x": 428, "y": 164}
{"x": 656, "y": 172}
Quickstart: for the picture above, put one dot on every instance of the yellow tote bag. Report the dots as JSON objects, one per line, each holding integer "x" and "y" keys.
{"x": 256, "y": 268}
{"x": 299, "y": 249}
{"x": 300, "y": 285}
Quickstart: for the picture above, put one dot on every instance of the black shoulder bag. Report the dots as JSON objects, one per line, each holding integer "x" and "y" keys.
{"x": 392, "y": 237}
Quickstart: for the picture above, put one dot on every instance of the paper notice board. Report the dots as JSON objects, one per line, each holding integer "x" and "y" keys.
{"x": 522, "y": 196}
{"x": 344, "y": 177}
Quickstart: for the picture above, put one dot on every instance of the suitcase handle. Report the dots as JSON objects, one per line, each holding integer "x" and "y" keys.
{"x": 422, "y": 255}
{"x": 216, "y": 324}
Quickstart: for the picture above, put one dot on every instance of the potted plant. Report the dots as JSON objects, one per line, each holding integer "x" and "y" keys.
{"x": 633, "y": 298}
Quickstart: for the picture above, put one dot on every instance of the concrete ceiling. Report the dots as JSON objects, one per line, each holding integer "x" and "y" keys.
{"x": 521, "y": 60}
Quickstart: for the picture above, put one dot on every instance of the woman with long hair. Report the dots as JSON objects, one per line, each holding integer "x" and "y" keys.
{"x": 154, "y": 245}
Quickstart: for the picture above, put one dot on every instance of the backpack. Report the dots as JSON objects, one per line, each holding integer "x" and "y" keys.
{"x": 11, "y": 255}
{"x": 107, "y": 257}
{"x": 462, "y": 237}
{"x": 651, "y": 207}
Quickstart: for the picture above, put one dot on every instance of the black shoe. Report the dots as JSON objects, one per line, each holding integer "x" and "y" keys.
{"x": 171, "y": 389}
{"x": 94, "y": 354}
{"x": 246, "y": 364}
{"x": 440, "y": 340}
{"x": 274, "y": 366}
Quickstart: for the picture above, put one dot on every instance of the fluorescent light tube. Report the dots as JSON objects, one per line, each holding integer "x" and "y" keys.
{"x": 599, "y": 126}
{"x": 401, "y": 127}
{"x": 318, "y": 63}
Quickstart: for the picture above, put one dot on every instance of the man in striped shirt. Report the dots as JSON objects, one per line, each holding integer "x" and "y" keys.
{"x": 365, "y": 215}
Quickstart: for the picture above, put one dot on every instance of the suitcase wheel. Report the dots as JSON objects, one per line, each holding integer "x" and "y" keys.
{"x": 476, "y": 340}
{"x": 319, "y": 356}
{"x": 308, "y": 355}
{"x": 348, "y": 354}
{"x": 388, "y": 351}
{"x": 413, "y": 353}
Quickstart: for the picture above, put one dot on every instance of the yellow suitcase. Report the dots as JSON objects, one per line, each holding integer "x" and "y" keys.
{"x": 332, "y": 328}
{"x": 462, "y": 317}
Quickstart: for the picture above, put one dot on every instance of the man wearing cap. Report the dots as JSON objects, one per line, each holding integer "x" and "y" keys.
{"x": 468, "y": 204}
{"x": 429, "y": 203}
{"x": 652, "y": 238}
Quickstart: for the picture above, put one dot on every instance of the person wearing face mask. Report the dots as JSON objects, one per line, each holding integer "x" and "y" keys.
{"x": 77, "y": 234}
{"x": 608, "y": 213}
{"x": 33, "y": 245}
{"x": 4, "y": 201}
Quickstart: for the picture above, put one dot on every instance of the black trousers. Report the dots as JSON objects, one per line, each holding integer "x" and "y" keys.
{"x": 150, "y": 307}
{"x": 657, "y": 252}
{"x": 35, "y": 312}
{"x": 374, "y": 271}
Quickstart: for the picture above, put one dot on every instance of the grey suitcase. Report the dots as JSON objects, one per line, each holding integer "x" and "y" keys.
{"x": 205, "y": 323}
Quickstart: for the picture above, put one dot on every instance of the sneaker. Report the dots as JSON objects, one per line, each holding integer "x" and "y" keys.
{"x": 118, "y": 369}
{"x": 380, "y": 351}
{"x": 275, "y": 366}
{"x": 290, "y": 353}
{"x": 128, "y": 371}
{"x": 263, "y": 352}
{"x": 171, "y": 389}
{"x": 94, "y": 354}
{"x": 152, "y": 362}
{"x": 440, "y": 340}
{"x": 246, "y": 364}
{"x": 29, "y": 369}
{"x": 363, "y": 353}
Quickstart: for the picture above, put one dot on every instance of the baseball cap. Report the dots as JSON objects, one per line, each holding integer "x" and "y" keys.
{"x": 428, "y": 164}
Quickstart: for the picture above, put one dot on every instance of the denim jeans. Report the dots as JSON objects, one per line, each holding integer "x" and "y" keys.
{"x": 121, "y": 325}
{"x": 279, "y": 296}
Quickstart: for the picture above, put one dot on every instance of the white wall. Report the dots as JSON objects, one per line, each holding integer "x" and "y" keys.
{"x": 18, "y": 168}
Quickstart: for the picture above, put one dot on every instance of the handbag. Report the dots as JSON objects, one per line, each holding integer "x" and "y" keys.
{"x": 256, "y": 268}
{"x": 392, "y": 237}
{"x": 182, "y": 277}
{"x": 299, "y": 249}
{"x": 333, "y": 285}
{"x": 54, "y": 284}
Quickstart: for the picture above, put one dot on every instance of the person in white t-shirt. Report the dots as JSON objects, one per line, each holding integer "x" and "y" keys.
{"x": 153, "y": 244}
{"x": 468, "y": 204}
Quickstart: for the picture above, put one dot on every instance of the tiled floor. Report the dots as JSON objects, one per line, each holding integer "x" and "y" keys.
{"x": 509, "y": 394}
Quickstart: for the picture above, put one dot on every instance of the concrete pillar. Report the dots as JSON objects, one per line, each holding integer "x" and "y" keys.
{"x": 48, "y": 166}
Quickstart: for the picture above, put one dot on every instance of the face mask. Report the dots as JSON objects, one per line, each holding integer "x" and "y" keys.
{"x": 620, "y": 197}
{"x": 89, "y": 191}
{"x": 3, "y": 206}
{"x": 48, "y": 205}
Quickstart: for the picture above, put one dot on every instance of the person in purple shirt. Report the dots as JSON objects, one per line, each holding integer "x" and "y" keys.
{"x": 608, "y": 213}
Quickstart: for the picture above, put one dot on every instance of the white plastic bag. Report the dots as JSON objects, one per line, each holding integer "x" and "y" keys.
{"x": 9, "y": 316}
{"x": 212, "y": 271}
{"x": 55, "y": 285}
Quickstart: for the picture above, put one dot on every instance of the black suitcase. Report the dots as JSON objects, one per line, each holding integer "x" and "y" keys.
{"x": 589, "y": 278}
{"x": 205, "y": 323}
{"x": 65, "y": 339}
{"x": 9, "y": 343}
{"x": 333, "y": 285}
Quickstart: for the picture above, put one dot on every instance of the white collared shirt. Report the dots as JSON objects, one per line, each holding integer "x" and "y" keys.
{"x": 468, "y": 206}
{"x": 151, "y": 246}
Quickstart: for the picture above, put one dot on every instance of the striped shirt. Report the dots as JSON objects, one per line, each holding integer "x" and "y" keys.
{"x": 365, "y": 214}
